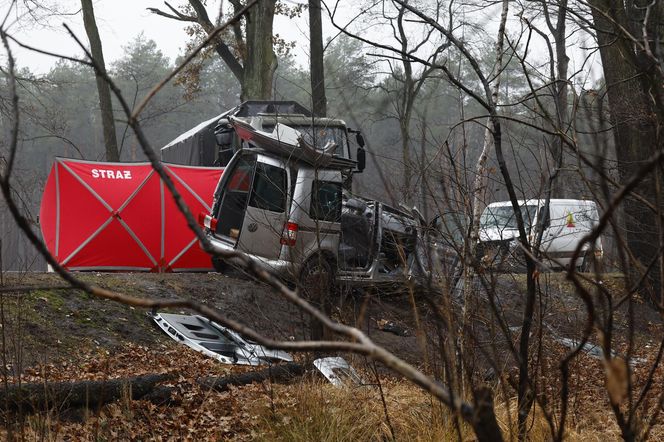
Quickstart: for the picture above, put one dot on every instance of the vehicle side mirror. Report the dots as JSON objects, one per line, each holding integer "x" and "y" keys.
{"x": 360, "y": 139}
{"x": 361, "y": 159}
{"x": 224, "y": 138}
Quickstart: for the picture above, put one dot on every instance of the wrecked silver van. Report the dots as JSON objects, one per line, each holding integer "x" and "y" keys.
{"x": 281, "y": 201}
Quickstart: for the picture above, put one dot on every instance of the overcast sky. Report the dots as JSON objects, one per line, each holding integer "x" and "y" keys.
{"x": 119, "y": 21}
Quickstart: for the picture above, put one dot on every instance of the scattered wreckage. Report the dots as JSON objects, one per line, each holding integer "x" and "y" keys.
{"x": 338, "y": 371}
{"x": 216, "y": 341}
{"x": 228, "y": 347}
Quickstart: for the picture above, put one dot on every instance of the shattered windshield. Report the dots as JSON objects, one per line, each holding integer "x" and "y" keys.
{"x": 502, "y": 217}
{"x": 318, "y": 136}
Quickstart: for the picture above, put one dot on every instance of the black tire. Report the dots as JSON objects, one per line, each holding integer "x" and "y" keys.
{"x": 219, "y": 264}
{"x": 317, "y": 278}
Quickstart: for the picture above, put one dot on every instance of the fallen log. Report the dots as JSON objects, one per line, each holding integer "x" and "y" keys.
{"x": 63, "y": 395}
{"x": 162, "y": 395}
{"x": 277, "y": 373}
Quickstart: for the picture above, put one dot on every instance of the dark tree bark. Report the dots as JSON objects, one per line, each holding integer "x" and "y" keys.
{"x": 220, "y": 46}
{"x": 260, "y": 61}
{"x": 277, "y": 373}
{"x": 35, "y": 397}
{"x": 559, "y": 32}
{"x": 252, "y": 61}
{"x": 634, "y": 89}
{"x": 105, "y": 104}
{"x": 484, "y": 419}
{"x": 317, "y": 69}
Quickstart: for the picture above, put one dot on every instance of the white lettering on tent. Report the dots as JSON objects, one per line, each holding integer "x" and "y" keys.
{"x": 111, "y": 174}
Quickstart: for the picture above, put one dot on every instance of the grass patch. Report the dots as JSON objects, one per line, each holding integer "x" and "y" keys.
{"x": 319, "y": 411}
{"x": 52, "y": 297}
{"x": 313, "y": 410}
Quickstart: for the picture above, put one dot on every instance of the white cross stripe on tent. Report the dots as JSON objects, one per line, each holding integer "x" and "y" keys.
{"x": 113, "y": 214}
{"x": 82, "y": 199}
{"x": 189, "y": 189}
{"x": 163, "y": 217}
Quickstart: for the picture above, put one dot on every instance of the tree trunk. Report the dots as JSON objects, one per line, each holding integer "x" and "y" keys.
{"x": 40, "y": 396}
{"x": 260, "y": 62}
{"x": 105, "y": 104}
{"x": 277, "y": 373}
{"x": 634, "y": 90}
{"x": 220, "y": 47}
{"x": 561, "y": 101}
{"x": 484, "y": 419}
{"x": 316, "y": 59}
{"x": 405, "y": 158}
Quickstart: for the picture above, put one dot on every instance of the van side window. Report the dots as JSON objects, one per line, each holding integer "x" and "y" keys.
{"x": 233, "y": 195}
{"x": 269, "y": 191}
{"x": 240, "y": 181}
{"x": 325, "y": 201}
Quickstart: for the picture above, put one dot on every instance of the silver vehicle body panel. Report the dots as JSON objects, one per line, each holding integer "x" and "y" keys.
{"x": 338, "y": 371}
{"x": 314, "y": 236}
{"x": 390, "y": 249}
{"x": 260, "y": 226}
{"x": 264, "y": 243}
{"x": 216, "y": 341}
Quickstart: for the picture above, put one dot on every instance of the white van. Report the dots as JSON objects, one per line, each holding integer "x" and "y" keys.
{"x": 568, "y": 221}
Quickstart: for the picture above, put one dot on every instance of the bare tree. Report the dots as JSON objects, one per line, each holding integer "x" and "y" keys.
{"x": 505, "y": 340}
{"x": 251, "y": 57}
{"x": 629, "y": 38}
{"x": 105, "y": 103}
{"x": 479, "y": 414}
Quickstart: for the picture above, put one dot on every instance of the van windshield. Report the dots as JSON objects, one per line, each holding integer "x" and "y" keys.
{"x": 319, "y": 136}
{"x": 502, "y": 217}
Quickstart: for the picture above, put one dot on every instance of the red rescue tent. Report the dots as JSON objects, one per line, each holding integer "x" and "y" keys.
{"x": 120, "y": 216}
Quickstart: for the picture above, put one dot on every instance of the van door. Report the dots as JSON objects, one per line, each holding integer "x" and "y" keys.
{"x": 317, "y": 202}
{"x": 232, "y": 197}
{"x": 265, "y": 214}
{"x": 563, "y": 233}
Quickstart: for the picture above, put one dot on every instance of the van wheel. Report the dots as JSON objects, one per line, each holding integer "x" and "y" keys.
{"x": 586, "y": 264}
{"x": 317, "y": 278}
{"x": 219, "y": 264}
{"x": 317, "y": 285}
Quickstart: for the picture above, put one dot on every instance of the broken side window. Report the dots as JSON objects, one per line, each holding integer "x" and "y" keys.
{"x": 325, "y": 201}
{"x": 269, "y": 191}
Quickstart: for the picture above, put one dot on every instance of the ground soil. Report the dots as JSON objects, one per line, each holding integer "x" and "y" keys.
{"x": 53, "y": 323}
{"x": 53, "y": 332}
